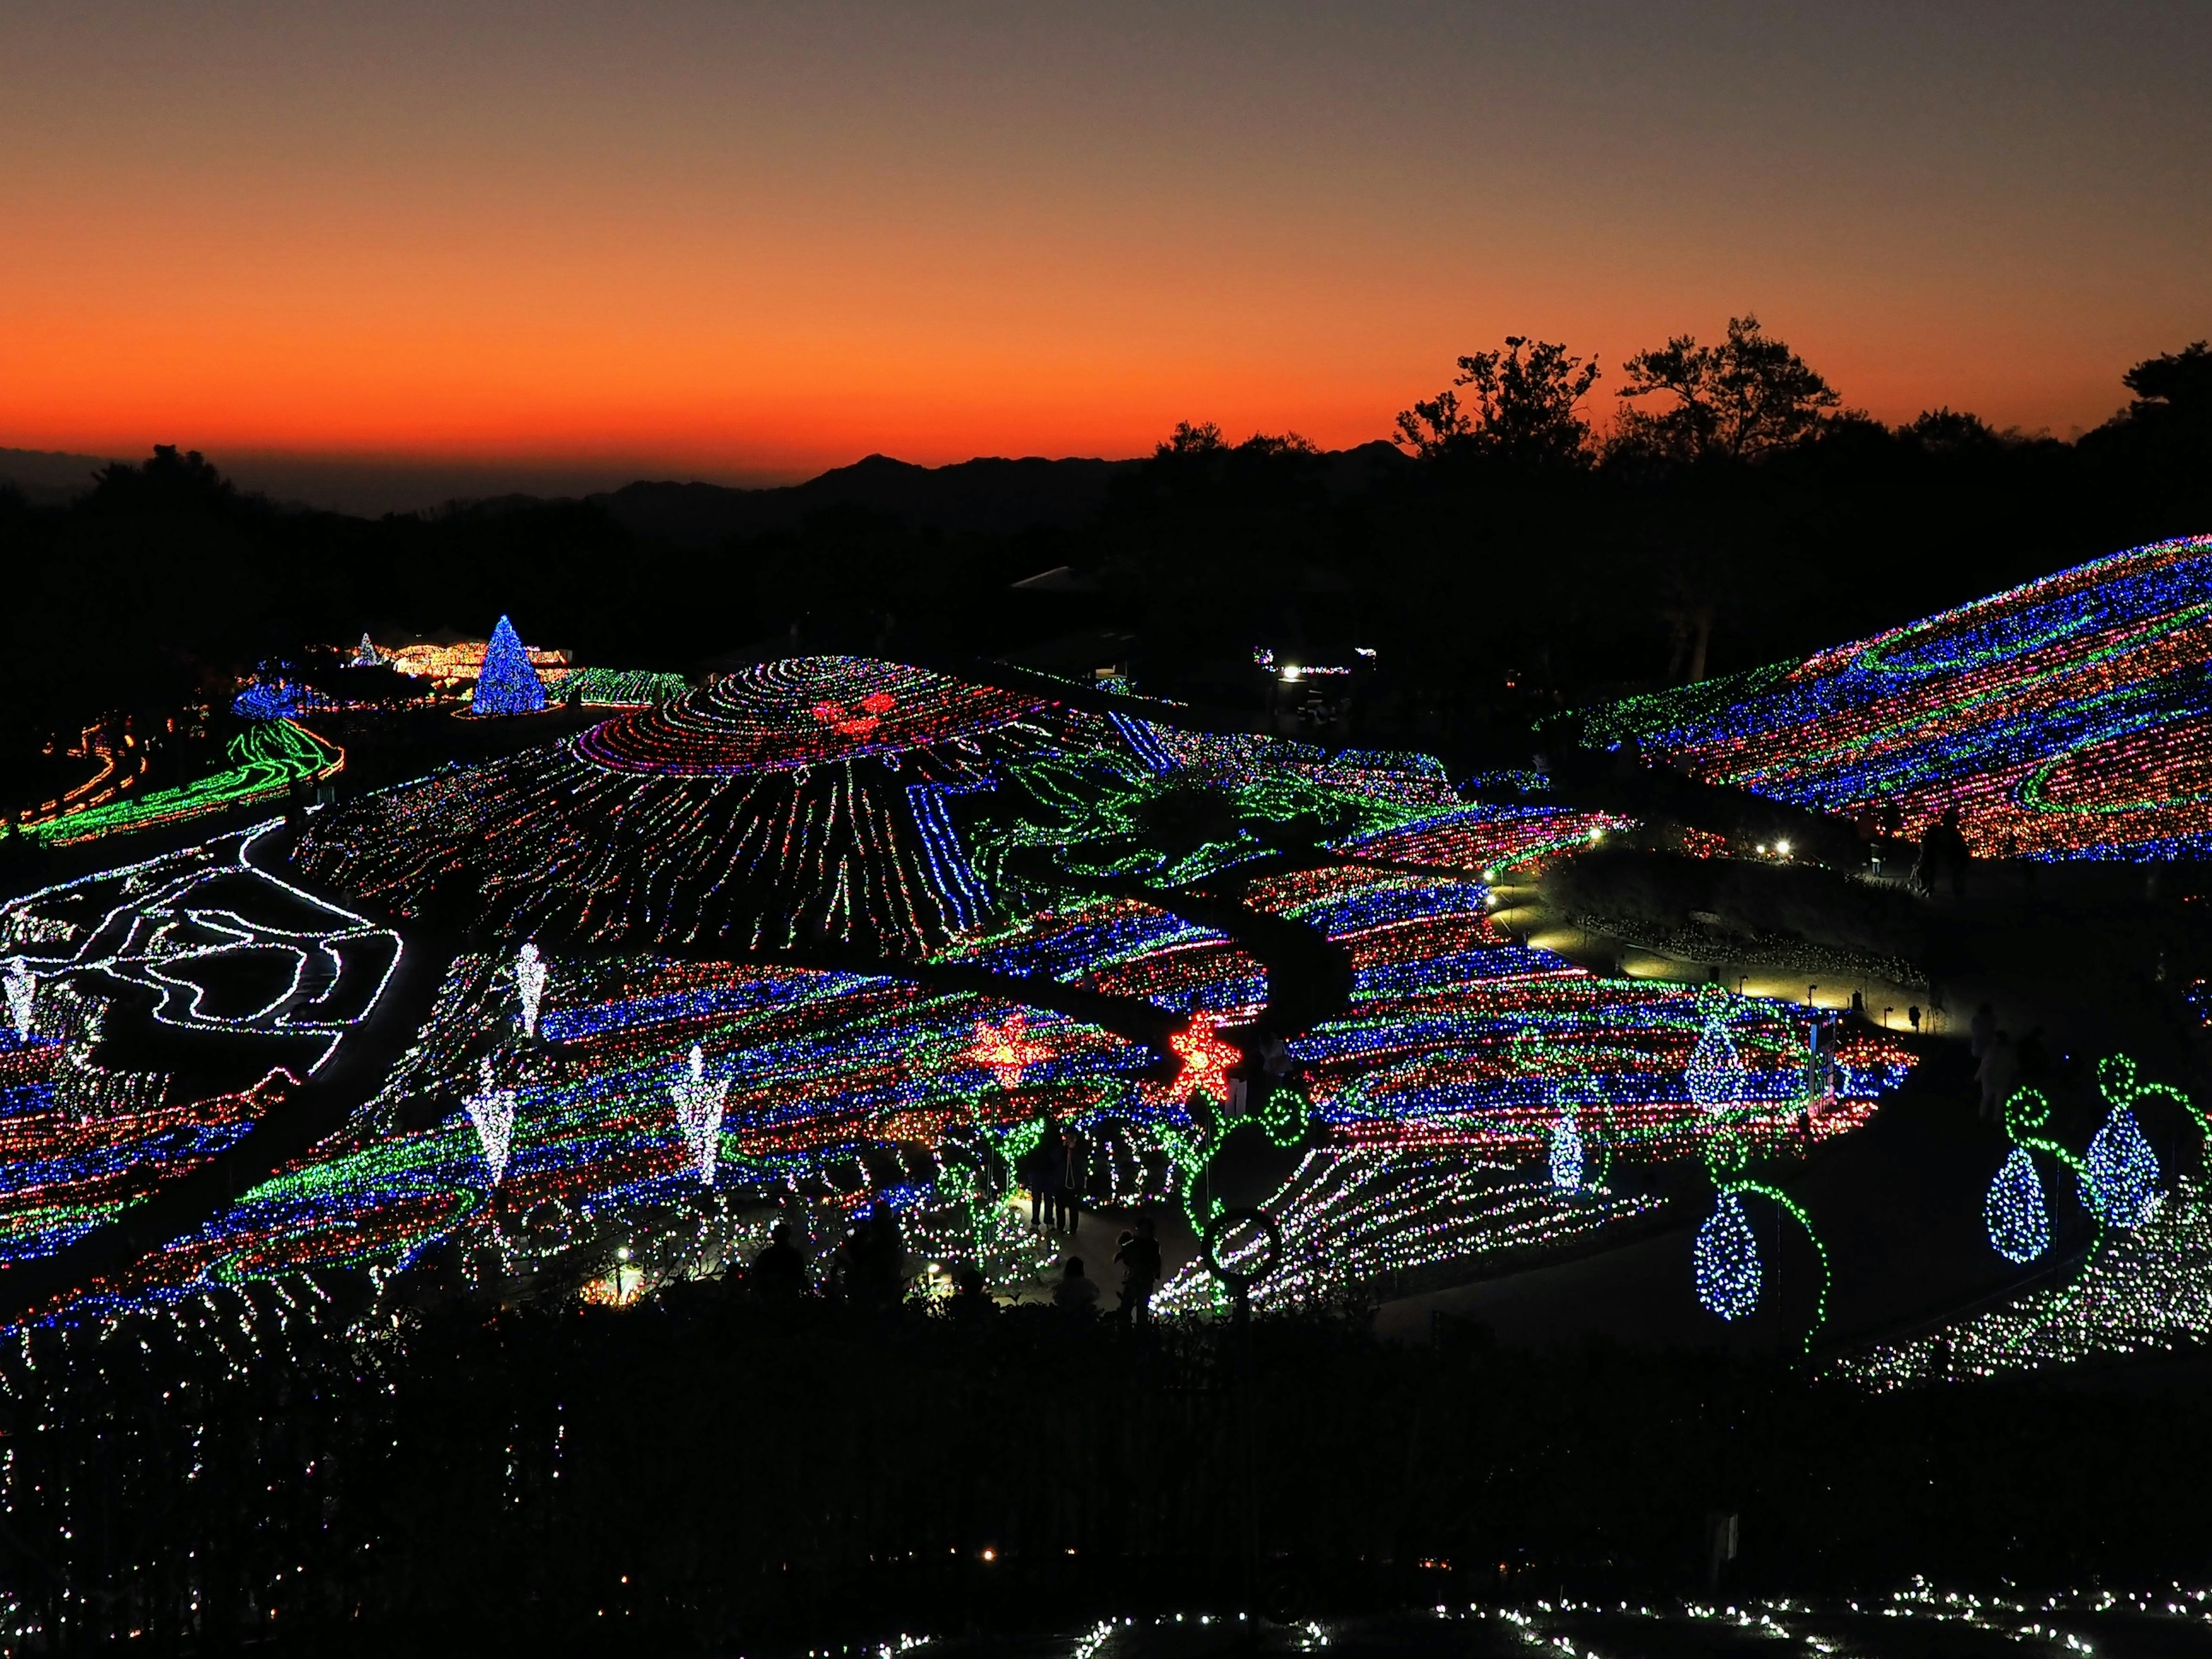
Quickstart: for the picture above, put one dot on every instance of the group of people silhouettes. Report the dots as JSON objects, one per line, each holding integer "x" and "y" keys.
{"x": 1057, "y": 1173}
{"x": 868, "y": 1268}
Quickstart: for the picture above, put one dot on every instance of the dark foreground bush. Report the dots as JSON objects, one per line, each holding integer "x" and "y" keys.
{"x": 709, "y": 1476}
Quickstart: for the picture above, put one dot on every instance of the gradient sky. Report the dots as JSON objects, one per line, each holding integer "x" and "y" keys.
{"x": 572, "y": 241}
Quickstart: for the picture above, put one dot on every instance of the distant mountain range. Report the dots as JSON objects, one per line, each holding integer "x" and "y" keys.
{"x": 989, "y": 495}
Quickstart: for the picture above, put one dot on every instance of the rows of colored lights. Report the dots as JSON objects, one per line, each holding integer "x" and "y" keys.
{"x": 1455, "y": 1028}
{"x": 1446, "y": 1079}
{"x": 2145, "y": 1290}
{"x": 1489, "y": 839}
{"x": 2068, "y": 718}
{"x": 849, "y": 1086}
{"x": 123, "y": 767}
{"x": 621, "y": 688}
{"x": 1123, "y": 947}
{"x": 1445, "y": 1086}
{"x": 266, "y": 759}
{"x": 840, "y": 1086}
{"x": 62, "y": 1173}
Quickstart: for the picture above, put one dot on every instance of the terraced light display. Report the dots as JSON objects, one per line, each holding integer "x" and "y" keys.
{"x": 889, "y": 926}
{"x": 2070, "y": 718}
{"x": 266, "y": 759}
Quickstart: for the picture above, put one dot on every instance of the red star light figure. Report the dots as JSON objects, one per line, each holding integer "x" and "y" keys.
{"x": 1205, "y": 1058}
{"x": 1005, "y": 1050}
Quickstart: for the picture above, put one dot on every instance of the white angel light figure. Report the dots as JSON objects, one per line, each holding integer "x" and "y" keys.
{"x": 699, "y": 1100}
{"x": 22, "y": 987}
{"x": 492, "y": 1110}
{"x": 530, "y": 977}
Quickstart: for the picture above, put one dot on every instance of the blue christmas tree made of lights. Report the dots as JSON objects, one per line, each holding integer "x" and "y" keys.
{"x": 1567, "y": 1154}
{"x": 2018, "y": 1218}
{"x": 1725, "y": 1259}
{"x": 508, "y": 684}
{"x": 2124, "y": 1173}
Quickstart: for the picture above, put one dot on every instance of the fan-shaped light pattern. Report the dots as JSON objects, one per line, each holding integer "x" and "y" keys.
{"x": 2148, "y": 1290}
{"x": 2069, "y": 717}
{"x": 2124, "y": 1173}
{"x": 1354, "y": 1214}
{"x": 1725, "y": 1259}
{"x": 1567, "y": 1154}
{"x": 824, "y": 800}
{"x": 2015, "y": 1211}
{"x": 506, "y": 684}
{"x": 1715, "y": 1073}
{"x": 798, "y": 803}
{"x": 802, "y": 712}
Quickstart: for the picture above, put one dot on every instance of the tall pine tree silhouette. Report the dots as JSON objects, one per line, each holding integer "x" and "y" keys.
{"x": 508, "y": 684}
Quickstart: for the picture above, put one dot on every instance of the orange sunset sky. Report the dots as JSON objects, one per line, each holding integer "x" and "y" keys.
{"x": 578, "y": 242}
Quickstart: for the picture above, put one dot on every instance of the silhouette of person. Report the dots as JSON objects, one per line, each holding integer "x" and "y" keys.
{"x": 970, "y": 1302}
{"x": 1075, "y": 1293}
{"x": 1139, "y": 1259}
{"x": 1040, "y": 1172}
{"x": 879, "y": 1259}
{"x": 1956, "y": 854}
{"x": 1997, "y": 1073}
{"x": 1074, "y": 1177}
{"x": 1929, "y": 865}
{"x": 778, "y": 1272}
{"x": 1979, "y": 1034}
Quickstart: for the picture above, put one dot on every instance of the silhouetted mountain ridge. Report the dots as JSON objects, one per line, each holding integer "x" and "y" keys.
{"x": 989, "y": 495}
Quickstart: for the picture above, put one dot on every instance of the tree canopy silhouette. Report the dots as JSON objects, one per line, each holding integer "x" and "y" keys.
{"x": 1526, "y": 399}
{"x": 1748, "y": 396}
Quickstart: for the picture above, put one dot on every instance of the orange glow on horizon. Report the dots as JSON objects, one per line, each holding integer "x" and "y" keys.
{"x": 733, "y": 242}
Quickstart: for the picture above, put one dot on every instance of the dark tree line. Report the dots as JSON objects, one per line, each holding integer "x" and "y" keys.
{"x": 1500, "y": 553}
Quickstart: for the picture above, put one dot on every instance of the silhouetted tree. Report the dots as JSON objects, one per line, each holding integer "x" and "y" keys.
{"x": 1525, "y": 406}
{"x": 1950, "y": 432}
{"x": 2175, "y": 384}
{"x": 1202, "y": 438}
{"x": 1744, "y": 398}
